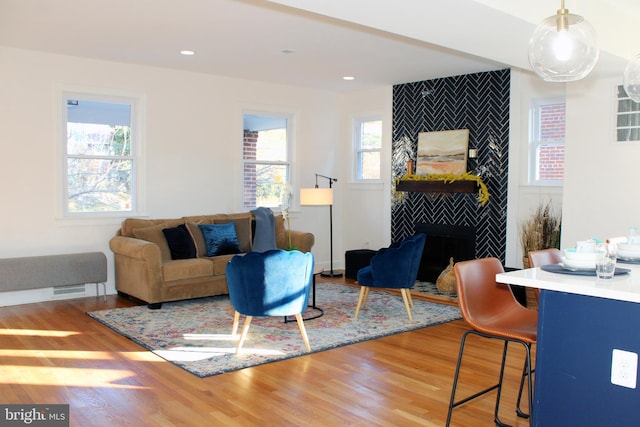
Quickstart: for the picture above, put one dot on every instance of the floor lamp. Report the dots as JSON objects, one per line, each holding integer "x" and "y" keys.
{"x": 322, "y": 197}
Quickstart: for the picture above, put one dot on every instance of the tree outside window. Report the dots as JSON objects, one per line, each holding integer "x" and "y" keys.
{"x": 99, "y": 172}
{"x": 265, "y": 154}
{"x": 368, "y": 145}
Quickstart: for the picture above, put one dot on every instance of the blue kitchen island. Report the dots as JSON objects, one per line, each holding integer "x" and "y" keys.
{"x": 581, "y": 321}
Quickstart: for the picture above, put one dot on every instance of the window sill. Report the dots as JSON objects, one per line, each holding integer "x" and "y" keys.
{"x": 366, "y": 185}
{"x": 96, "y": 220}
{"x": 537, "y": 189}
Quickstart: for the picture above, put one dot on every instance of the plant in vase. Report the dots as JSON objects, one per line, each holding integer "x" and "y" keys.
{"x": 540, "y": 231}
{"x": 402, "y": 163}
{"x": 286, "y": 195}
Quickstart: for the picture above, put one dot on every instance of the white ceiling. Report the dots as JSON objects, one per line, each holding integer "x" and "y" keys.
{"x": 380, "y": 42}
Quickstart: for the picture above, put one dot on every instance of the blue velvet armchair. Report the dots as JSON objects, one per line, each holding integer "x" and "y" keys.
{"x": 271, "y": 283}
{"x": 395, "y": 267}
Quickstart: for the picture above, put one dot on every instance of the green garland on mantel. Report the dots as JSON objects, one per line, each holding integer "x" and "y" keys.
{"x": 483, "y": 192}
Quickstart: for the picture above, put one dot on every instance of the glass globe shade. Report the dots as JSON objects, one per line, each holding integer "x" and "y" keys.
{"x": 632, "y": 78}
{"x": 563, "y": 48}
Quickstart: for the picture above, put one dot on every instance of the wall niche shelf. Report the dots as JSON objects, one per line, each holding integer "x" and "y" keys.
{"x": 437, "y": 186}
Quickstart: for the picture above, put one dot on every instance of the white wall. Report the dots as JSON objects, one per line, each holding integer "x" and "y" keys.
{"x": 192, "y": 124}
{"x": 523, "y": 198}
{"x": 601, "y": 198}
{"x": 192, "y": 147}
{"x": 372, "y": 226}
{"x": 598, "y": 197}
{"x": 595, "y": 167}
{"x": 366, "y": 207}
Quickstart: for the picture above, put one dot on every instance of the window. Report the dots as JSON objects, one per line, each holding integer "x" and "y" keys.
{"x": 546, "y": 144}
{"x": 99, "y": 162}
{"x": 368, "y": 145}
{"x": 265, "y": 156}
{"x": 628, "y": 118}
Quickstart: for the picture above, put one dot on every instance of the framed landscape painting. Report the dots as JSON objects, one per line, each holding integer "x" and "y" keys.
{"x": 442, "y": 152}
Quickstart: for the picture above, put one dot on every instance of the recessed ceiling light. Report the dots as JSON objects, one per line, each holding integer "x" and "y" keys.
{"x": 348, "y": 78}
{"x": 187, "y": 52}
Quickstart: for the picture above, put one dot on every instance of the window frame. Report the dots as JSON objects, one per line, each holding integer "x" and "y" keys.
{"x": 358, "y": 150}
{"x": 137, "y": 105}
{"x": 288, "y": 163}
{"x": 621, "y": 96}
{"x": 535, "y": 141}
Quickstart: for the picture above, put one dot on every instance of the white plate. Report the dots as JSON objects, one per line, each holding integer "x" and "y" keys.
{"x": 629, "y": 248}
{"x": 574, "y": 264}
{"x": 631, "y": 255}
{"x": 566, "y": 267}
{"x": 572, "y": 254}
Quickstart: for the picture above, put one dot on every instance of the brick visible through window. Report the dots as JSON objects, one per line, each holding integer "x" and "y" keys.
{"x": 548, "y": 132}
{"x": 249, "y": 153}
{"x": 265, "y": 157}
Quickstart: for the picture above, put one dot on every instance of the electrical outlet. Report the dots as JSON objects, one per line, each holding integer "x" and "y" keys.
{"x": 624, "y": 368}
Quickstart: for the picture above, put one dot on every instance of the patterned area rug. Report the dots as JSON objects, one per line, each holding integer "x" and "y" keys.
{"x": 196, "y": 334}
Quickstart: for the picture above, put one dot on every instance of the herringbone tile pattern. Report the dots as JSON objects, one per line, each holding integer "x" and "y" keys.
{"x": 478, "y": 102}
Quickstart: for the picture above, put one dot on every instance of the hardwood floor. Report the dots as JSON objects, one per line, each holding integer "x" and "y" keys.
{"x": 54, "y": 353}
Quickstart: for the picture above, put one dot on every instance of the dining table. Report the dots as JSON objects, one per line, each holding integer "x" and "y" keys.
{"x": 587, "y": 345}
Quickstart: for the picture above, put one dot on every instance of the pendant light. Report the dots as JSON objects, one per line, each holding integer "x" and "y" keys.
{"x": 632, "y": 78}
{"x": 563, "y": 47}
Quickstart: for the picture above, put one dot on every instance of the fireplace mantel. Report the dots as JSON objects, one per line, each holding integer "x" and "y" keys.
{"x": 437, "y": 186}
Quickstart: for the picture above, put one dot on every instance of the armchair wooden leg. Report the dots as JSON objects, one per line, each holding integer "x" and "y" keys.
{"x": 361, "y": 297}
{"x": 245, "y": 330}
{"x": 236, "y": 320}
{"x": 303, "y": 331}
{"x": 407, "y": 298}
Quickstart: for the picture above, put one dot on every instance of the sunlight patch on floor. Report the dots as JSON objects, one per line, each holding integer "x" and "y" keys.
{"x": 38, "y": 333}
{"x": 66, "y": 377}
{"x": 191, "y": 354}
{"x": 210, "y": 337}
{"x": 74, "y": 354}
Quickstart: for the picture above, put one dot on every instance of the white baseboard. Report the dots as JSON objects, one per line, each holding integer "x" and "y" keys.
{"x": 51, "y": 294}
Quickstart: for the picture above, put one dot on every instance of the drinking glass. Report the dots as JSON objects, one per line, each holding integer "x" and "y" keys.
{"x": 605, "y": 260}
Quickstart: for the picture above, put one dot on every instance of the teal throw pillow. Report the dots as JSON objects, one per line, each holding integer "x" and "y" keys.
{"x": 220, "y": 239}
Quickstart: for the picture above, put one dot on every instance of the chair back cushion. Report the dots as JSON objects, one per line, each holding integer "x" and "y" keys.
{"x": 544, "y": 257}
{"x": 396, "y": 266}
{"x": 488, "y": 306}
{"x": 271, "y": 283}
{"x": 538, "y": 259}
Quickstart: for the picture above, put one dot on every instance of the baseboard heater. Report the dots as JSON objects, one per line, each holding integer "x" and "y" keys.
{"x": 67, "y": 274}
{"x": 68, "y": 290}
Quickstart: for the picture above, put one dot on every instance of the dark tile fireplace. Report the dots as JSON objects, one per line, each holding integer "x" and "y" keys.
{"x": 478, "y": 102}
{"x": 444, "y": 242}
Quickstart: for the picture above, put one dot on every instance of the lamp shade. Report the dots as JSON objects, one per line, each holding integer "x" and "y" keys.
{"x": 316, "y": 196}
{"x": 563, "y": 48}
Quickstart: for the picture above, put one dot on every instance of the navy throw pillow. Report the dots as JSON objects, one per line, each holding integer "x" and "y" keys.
{"x": 220, "y": 239}
{"x": 180, "y": 242}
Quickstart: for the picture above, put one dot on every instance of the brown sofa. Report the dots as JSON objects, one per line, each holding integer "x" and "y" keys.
{"x": 144, "y": 268}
